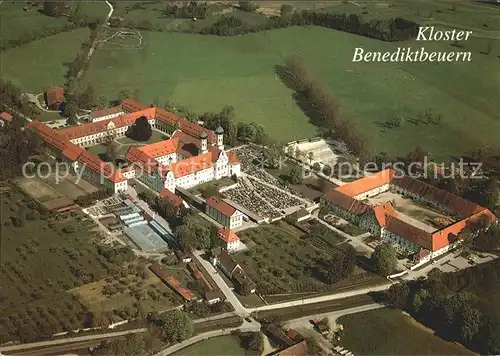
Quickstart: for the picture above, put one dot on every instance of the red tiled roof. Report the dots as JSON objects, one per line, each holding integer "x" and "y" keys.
{"x": 299, "y": 349}
{"x": 195, "y": 130}
{"x": 410, "y": 232}
{"x": 161, "y": 148}
{"x": 176, "y": 285}
{"x": 165, "y": 193}
{"x": 55, "y": 95}
{"x": 450, "y": 233}
{"x": 72, "y": 151}
{"x": 6, "y": 116}
{"x": 367, "y": 183}
{"x": 167, "y": 117}
{"x": 454, "y": 203}
{"x": 132, "y": 105}
{"x": 91, "y": 128}
{"x": 139, "y": 158}
{"x": 105, "y": 169}
{"x": 383, "y": 212}
{"x": 107, "y": 111}
{"x": 345, "y": 202}
{"x": 189, "y": 165}
{"x": 221, "y": 206}
{"x": 227, "y": 235}
{"x": 233, "y": 159}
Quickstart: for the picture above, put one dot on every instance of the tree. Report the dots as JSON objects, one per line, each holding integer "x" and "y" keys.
{"x": 53, "y": 8}
{"x": 141, "y": 130}
{"x": 70, "y": 108}
{"x": 123, "y": 94}
{"x": 286, "y": 10}
{"x": 173, "y": 326}
{"x": 316, "y": 167}
{"x": 488, "y": 240}
{"x": 210, "y": 190}
{"x": 469, "y": 322}
{"x": 111, "y": 151}
{"x": 310, "y": 157}
{"x": 327, "y": 170}
{"x": 256, "y": 342}
{"x": 296, "y": 175}
{"x": 87, "y": 98}
{"x": 132, "y": 345}
{"x": 384, "y": 259}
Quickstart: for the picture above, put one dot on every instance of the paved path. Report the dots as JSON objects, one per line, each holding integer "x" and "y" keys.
{"x": 240, "y": 310}
{"x": 246, "y": 327}
{"x": 94, "y": 44}
{"x": 335, "y": 315}
{"x": 71, "y": 339}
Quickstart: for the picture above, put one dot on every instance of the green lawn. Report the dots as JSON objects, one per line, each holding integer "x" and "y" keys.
{"x": 390, "y": 332}
{"x": 37, "y": 65}
{"x": 208, "y": 72}
{"x": 227, "y": 345}
{"x": 16, "y": 21}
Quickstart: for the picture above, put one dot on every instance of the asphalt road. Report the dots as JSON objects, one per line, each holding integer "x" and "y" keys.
{"x": 246, "y": 327}
{"x": 70, "y": 340}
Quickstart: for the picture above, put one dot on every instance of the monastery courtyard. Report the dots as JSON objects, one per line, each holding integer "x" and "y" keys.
{"x": 412, "y": 212}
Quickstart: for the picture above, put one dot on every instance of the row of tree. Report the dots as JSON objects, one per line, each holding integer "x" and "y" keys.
{"x": 16, "y": 146}
{"x": 324, "y": 108}
{"x": 190, "y": 10}
{"x": 396, "y": 29}
{"x": 457, "y": 305}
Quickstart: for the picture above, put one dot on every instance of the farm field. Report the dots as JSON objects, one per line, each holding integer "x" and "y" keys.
{"x": 42, "y": 258}
{"x": 227, "y": 345}
{"x": 210, "y": 72}
{"x": 390, "y": 332}
{"x": 35, "y": 66}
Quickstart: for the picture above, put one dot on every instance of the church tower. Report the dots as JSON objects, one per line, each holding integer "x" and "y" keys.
{"x": 219, "y": 134}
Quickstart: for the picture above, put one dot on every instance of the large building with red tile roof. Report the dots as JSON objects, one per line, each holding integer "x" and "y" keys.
{"x": 191, "y": 156}
{"x": 54, "y": 97}
{"x": 383, "y": 220}
{"x": 223, "y": 213}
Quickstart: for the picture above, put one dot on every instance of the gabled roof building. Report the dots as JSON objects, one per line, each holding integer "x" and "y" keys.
{"x": 191, "y": 156}
{"x": 384, "y": 221}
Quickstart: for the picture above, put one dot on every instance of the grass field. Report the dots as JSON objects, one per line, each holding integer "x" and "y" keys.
{"x": 16, "y": 21}
{"x": 37, "y": 65}
{"x": 227, "y": 345}
{"x": 209, "y": 72}
{"x": 390, "y": 332}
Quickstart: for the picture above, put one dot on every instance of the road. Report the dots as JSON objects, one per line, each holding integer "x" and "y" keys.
{"x": 294, "y": 323}
{"x": 94, "y": 44}
{"x": 246, "y": 327}
{"x": 71, "y": 339}
{"x": 240, "y": 310}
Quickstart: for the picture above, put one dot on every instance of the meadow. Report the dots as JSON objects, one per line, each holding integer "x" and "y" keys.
{"x": 390, "y": 332}
{"x": 204, "y": 73}
{"x": 16, "y": 21}
{"x": 223, "y": 345}
{"x": 37, "y": 65}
